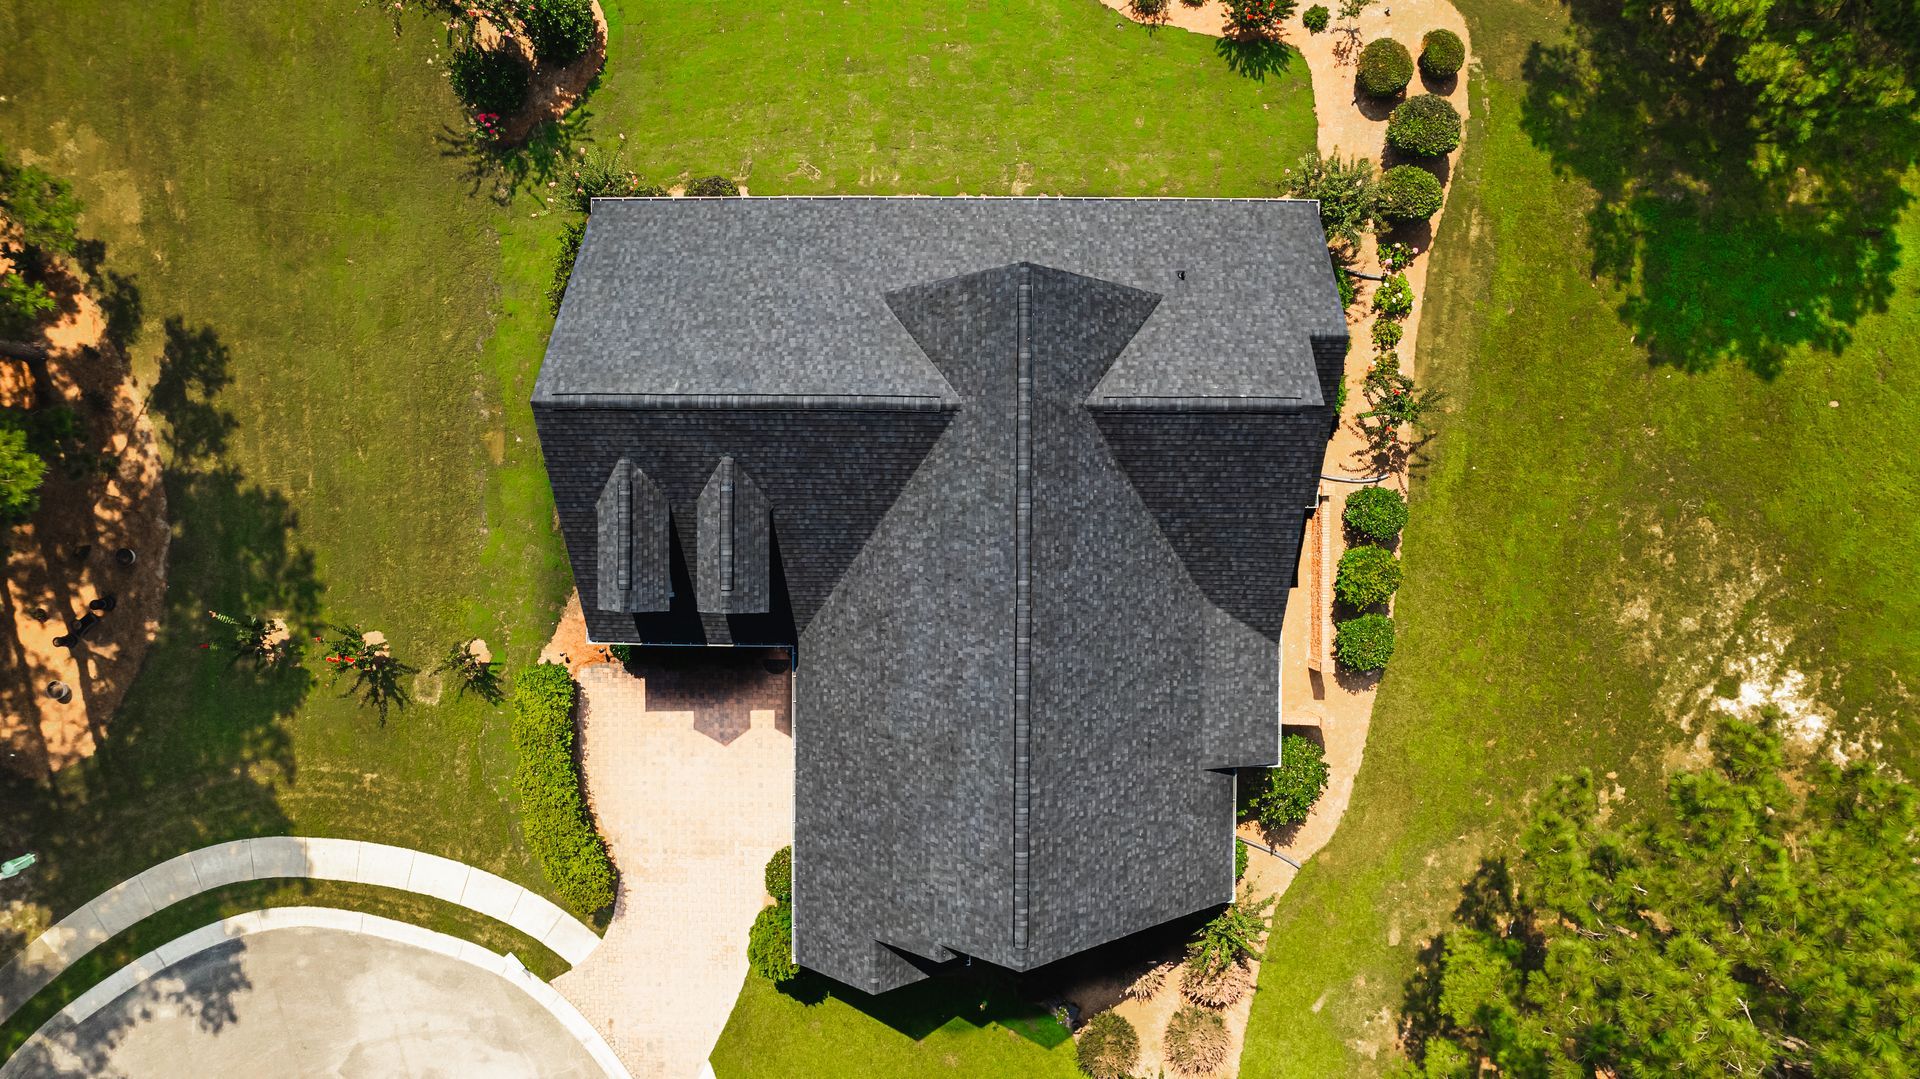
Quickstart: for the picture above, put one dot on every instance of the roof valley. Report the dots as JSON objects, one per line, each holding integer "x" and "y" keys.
{"x": 1023, "y": 609}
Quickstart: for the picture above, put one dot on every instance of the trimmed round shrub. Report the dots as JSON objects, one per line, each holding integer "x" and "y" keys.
{"x": 1409, "y": 193}
{"x": 1289, "y": 791}
{"x": 561, "y": 30}
{"x": 1364, "y": 643}
{"x": 1367, "y": 575}
{"x": 1442, "y": 53}
{"x": 780, "y": 875}
{"x": 1315, "y": 19}
{"x": 1108, "y": 1047}
{"x": 1196, "y": 1040}
{"x": 1386, "y": 67}
{"x": 1394, "y": 298}
{"x": 770, "y": 944}
{"x": 1425, "y": 126}
{"x": 1386, "y": 334}
{"x": 1379, "y": 513}
{"x": 490, "y": 80}
{"x": 712, "y": 187}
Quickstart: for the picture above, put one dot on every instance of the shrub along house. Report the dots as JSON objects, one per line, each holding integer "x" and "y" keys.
{"x": 1021, "y": 481}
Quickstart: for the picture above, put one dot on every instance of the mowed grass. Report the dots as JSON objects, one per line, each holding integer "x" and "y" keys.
{"x": 942, "y": 97}
{"x": 339, "y": 312}
{"x": 1600, "y": 545}
{"x": 315, "y": 288}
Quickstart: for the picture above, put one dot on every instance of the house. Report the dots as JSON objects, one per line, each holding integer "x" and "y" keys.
{"x": 1021, "y": 481}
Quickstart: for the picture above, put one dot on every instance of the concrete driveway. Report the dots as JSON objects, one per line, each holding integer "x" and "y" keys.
{"x": 689, "y": 769}
{"x": 314, "y": 1002}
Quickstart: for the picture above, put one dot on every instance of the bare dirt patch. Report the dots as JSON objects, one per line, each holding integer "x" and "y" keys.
{"x": 554, "y": 90}
{"x": 64, "y": 580}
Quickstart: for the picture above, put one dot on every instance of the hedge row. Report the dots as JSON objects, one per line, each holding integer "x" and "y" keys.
{"x": 553, "y": 813}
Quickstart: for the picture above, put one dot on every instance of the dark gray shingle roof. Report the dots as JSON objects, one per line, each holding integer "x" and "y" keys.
{"x": 1035, "y": 562}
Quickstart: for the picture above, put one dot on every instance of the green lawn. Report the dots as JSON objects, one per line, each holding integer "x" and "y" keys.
{"x": 1602, "y": 538}
{"x": 339, "y": 312}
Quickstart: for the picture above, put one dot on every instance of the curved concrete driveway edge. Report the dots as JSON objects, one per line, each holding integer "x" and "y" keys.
{"x": 269, "y": 857}
{"x": 509, "y": 967}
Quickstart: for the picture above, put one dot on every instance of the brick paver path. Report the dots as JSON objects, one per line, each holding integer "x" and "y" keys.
{"x": 691, "y": 820}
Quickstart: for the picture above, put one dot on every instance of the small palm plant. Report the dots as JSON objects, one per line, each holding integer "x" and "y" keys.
{"x": 475, "y": 670}
{"x": 1230, "y": 938}
{"x": 263, "y": 640}
{"x": 376, "y": 673}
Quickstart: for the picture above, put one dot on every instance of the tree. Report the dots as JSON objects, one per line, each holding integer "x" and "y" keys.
{"x": 474, "y": 668}
{"x": 263, "y": 640}
{"x": 21, "y": 471}
{"x": 1346, "y": 189}
{"x": 1741, "y": 929}
{"x": 377, "y": 676}
{"x": 46, "y": 213}
{"x": 1257, "y": 18}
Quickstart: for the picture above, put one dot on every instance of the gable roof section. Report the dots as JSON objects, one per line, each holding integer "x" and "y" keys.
{"x": 733, "y": 542}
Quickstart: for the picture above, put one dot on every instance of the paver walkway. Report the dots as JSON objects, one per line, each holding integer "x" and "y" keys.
{"x": 692, "y": 801}
{"x": 304, "y": 991}
{"x": 286, "y": 856}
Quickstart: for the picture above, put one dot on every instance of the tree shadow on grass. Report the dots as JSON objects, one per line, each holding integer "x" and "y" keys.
{"x": 1255, "y": 57}
{"x": 1719, "y": 258}
{"x": 197, "y": 752}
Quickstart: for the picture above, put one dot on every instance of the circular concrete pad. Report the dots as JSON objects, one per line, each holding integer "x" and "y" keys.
{"x": 315, "y": 1002}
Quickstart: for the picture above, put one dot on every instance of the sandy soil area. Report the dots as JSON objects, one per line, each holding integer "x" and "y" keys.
{"x": 61, "y": 565}
{"x": 554, "y": 91}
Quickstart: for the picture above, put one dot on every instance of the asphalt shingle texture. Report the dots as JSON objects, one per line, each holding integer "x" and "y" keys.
{"x": 858, "y": 362}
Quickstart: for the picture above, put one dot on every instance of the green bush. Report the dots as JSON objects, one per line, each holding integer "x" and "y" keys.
{"x": 1394, "y": 298}
{"x": 1442, "y": 53}
{"x": 1424, "y": 126}
{"x": 779, "y": 875}
{"x": 553, "y": 811}
{"x": 1409, "y": 193}
{"x": 1364, "y": 643}
{"x": 1197, "y": 1041}
{"x": 561, "y": 30}
{"x": 1315, "y": 19}
{"x": 1239, "y": 860}
{"x": 1108, "y": 1047}
{"x": 1346, "y": 190}
{"x": 1386, "y": 67}
{"x": 1386, "y": 334}
{"x": 1395, "y": 257}
{"x": 1149, "y": 9}
{"x": 1286, "y": 793}
{"x": 492, "y": 82}
{"x": 1378, "y": 513}
{"x": 712, "y": 187}
{"x": 770, "y": 944}
{"x": 1349, "y": 292}
{"x": 1367, "y": 575}
{"x": 622, "y": 654}
{"x": 570, "y": 237}
{"x": 21, "y": 471}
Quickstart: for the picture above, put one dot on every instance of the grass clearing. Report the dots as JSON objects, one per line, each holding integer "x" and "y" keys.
{"x": 1602, "y": 543}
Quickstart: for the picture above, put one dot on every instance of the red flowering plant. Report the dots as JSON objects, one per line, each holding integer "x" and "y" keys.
{"x": 377, "y": 675}
{"x": 486, "y": 126}
{"x": 1394, "y": 402}
{"x": 1257, "y": 18}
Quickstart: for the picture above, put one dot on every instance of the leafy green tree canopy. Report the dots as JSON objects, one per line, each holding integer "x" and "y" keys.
{"x": 1751, "y": 927}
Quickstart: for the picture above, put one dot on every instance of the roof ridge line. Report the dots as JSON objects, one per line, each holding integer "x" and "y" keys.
{"x": 1197, "y": 403}
{"x": 872, "y": 402}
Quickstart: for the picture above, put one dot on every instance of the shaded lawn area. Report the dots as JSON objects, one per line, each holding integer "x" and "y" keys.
{"x": 339, "y": 313}
{"x": 1604, "y": 538}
